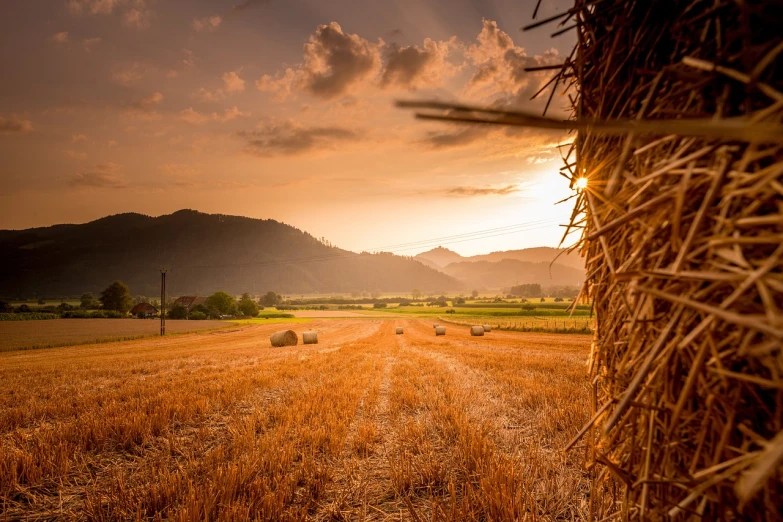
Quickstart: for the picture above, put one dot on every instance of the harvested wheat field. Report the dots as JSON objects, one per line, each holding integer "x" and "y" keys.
{"x": 23, "y": 335}
{"x": 365, "y": 425}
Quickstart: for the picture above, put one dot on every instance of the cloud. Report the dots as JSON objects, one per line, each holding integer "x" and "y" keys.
{"x": 462, "y": 136}
{"x": 78, "y": 138}
{"x": 233, "y": 83}
{"x": 482, "y": 191}
{"x": 145, "y": 108}
{"x": 247, "y": 4}
{"x": 60, "y": 37}
{"x": 185, "y": 63}
{"x": 179, "y": 169}
{"x": 104, "y": 175}
{"x": 138, "y": 18}
{"x": 500, "y": 66}
{"x": 135, "y": 13}
{"x": 203, "y": 95}
{"x": 194, "y": 117}
{"x": 208, "y": 23}
{"x": 75, "y": 155}
{"x": 290, "y": 138}
{"x": 14, "y": 125}
{"x": 414, "y": 66}
{"x": 334, "y": 63}
{"x": 111, "y": 144}
{"x": 128, "y": 74}
{"x": 89, "y": 43}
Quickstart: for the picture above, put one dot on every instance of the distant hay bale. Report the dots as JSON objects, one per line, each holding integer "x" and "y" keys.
{"x": 284, "y": 338}
{"x": 487, "y": 328}
{"x": 477, "y": 331}
{"x": 435, "y": 325}
{"x": 399, "y": 330}
{"x": 310, "y": 337}
{"x": 440, "y": 330}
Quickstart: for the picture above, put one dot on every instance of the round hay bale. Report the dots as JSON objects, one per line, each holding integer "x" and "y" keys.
{"x": 284, "y": 338}
{"x": 310, "y": 337}
{"x": 440, "y": 330}
{"x": 477, "y": 331}
{"x": 399, "y": 330}
{"x": 487, "y": 328}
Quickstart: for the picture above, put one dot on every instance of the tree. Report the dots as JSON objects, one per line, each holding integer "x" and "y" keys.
{"x": 117, "y": 297}
{"x": 23, "y": 309}
{"x": 5, "y": 307}
{"x": 460, "y": 300}
{"x": 177, "y": 311}
{"x": 416, "y": 293}
{"x": 88, "y": 301}
{"x": 379, "y": 305}
{"x": 474, "y": 294}
{"x": 542, "y": 299}
{"x": 247, "y": 306}
{"x": 41, "y": 301}
{"x": 271, "y": 299}
{"x": 222, "y": 303}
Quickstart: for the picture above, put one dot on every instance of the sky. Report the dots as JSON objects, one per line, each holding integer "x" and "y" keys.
{"x": 282, "y": 110}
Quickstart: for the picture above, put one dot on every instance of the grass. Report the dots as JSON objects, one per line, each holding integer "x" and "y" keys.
{"x": 365, "y": 425}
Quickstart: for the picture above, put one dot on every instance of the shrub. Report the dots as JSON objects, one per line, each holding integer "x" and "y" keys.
{"x": 23, "y": 309}
{"x": 379, "y": 305}
{"x": 558, "y": 299}
{"x": 33, "y": 316}
{"x": 452, "y": 311}
{"x": 177, "y": 312}
{"x": 197, "y": 316}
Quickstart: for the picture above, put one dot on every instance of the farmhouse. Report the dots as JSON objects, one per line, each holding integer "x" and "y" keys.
{"x": 189, "y": 301}
{"x": 145, "y": 309}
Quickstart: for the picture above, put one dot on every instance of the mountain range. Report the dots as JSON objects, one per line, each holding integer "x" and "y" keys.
{"x": 544, "y": 265}
{"x": 204, "y": 253}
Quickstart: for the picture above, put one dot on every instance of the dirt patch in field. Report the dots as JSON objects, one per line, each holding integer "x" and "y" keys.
{"x": 25, "y": 335}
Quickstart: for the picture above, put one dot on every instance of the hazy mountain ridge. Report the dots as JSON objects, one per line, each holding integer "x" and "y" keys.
{"x": 204, "y": 253}
{"x": 508, "y": 268}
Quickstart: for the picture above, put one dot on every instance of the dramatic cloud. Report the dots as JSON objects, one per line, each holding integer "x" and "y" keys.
{"x": 233, "y": 83}
{"x": 78, "y": 138}
{"x": 194, "y": 117}
{"x": 14, "y": 125}
{"x": 145, "y": 108}
{"x": 104, "y": 175}
{"x": 138, "y": 18}
{"x": 90, "y": 43}
{"x": 412, "y": 66}
{"x": 462, "y": 136}
{"x": 208, "y": 23}
{"x": 482, "y": 191}
{"x": 334, "y": 63}
{"x": 93, "y": 6}
{"x": 60, "y": 37}
{"x": 500, "y": 65}
{"x": 289, "y": 138}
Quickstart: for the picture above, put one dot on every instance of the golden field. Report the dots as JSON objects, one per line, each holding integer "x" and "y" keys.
{"x": 366, "y": 425}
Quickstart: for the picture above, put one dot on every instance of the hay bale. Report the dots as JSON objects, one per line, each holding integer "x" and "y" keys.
{"x": 440, "y": 330}
{"x": 477, "y": 331}
{"x": 310, "y": 337}
{"x": 399, "y": 330}
{"x": 487, "y": 328}
{"x": 435, "y": 325}
{"x": 284, "y": 338}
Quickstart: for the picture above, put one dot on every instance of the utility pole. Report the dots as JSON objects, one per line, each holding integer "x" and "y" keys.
{"x": 163, "y": 301}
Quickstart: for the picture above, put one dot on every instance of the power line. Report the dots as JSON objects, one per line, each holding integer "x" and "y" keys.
{"x": 446, "y": 240}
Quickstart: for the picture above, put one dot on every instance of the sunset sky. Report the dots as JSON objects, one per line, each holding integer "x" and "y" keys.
{"x": 282, "y": 110}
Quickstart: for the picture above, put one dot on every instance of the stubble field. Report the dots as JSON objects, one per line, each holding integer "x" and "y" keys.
{"x": 366, "y": 425}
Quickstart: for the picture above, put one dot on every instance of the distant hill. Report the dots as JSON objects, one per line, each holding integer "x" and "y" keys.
{"x": 442, "y": 257}
{"x": 509, "y": 272}
{"x": 204, "y": 252}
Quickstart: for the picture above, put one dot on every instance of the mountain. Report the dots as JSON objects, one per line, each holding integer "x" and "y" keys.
{"x": 442, "y": 257}
{"x": 203, "y": 252}
{"x": 509, "y": 272}
{"x": 439, "y": 257}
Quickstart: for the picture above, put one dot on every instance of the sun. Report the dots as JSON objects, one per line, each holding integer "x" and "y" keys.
{"x": 581, "y": 183}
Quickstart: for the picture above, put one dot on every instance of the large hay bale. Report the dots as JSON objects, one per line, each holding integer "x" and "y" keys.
{"x": 440, "y": 330}
{"x": 477, "y": 331}
{"x": 682, "y": 238}
{"x": 398, "y": 331}
{"x": 284, "y": 338}
{"x": 310, "y": 337}
{"x": 487, "y": 328}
